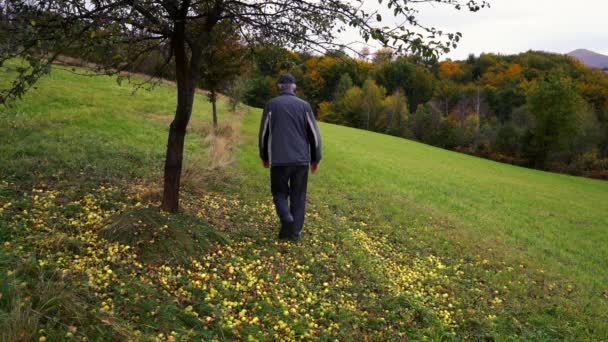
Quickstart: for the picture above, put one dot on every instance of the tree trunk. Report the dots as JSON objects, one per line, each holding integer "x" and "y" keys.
{"x": 214, "y": 109}
{"x": 186, "y": 72}
{"x": 175, "y": 152}
{"x": 478, "y": 104}
{"x": 173, "y": 168}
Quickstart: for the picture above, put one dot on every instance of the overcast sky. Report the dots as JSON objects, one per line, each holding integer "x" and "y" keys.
{"x": 513, "y": 26}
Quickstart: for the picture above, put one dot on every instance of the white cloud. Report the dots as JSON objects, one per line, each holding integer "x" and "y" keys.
{"x": 513, "y": 26}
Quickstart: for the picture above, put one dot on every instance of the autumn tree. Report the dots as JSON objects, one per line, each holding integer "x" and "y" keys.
{"x": 382, "y": 56}
{"x": 394, "y": 75}
{"x": 372, "y": 103}
{"x": 323, "y": 74}
{"x": 269, "y": 61}
{"x": 223, "y": 62}
{"x": 446, "y": 92}
{"x": 450, "y": 70}
{"x": 39, "y": 31}
{"x": 416, "y": 83}
{"x": 395, "y": 114}
{"x": 334, "y": 112}
{"x": 326, "y": 112}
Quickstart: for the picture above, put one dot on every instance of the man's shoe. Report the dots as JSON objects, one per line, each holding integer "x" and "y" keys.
{"x": 291, "y": 238}
{"x": 295, "y": 235}
{"x": 295, "y": 238}
{"x": 286, "y": 231}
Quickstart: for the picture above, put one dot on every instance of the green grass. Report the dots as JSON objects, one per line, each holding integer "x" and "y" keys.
{"x": 557, "y": 222}
{"x": 397, "y": 234}
{"x": 459, "y": 205}
{"x": 91, "y": 125}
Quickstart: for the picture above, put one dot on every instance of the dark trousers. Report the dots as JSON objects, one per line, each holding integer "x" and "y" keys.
{"x": 289, "y": 182}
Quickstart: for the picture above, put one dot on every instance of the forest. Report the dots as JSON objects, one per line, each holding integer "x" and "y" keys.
{"x": 535, "y": 109}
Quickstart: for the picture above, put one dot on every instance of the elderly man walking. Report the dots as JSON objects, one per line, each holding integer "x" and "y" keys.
{"x": 289, "y": 142}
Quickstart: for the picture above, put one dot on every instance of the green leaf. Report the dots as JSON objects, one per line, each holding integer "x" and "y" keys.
{"x": 378, "y": 17}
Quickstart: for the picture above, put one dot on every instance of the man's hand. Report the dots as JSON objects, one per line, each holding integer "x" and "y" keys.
{"x": 266, "y": 163}
{"x": 314, "y": 167}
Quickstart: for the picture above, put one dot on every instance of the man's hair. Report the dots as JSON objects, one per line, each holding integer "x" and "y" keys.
{"x": 287, "y": 87}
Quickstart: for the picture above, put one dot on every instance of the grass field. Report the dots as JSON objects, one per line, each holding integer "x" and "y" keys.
{"x": 402, "y": 240}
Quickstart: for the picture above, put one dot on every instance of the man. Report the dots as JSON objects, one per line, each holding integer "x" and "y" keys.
{"x": 289, "y": 141}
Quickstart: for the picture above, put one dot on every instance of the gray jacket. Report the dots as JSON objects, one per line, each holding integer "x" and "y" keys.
{"x": 289, "y": 134}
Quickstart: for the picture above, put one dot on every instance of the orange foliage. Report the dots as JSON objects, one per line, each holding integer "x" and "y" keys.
{"x": 325, "y": 112}
{"x": 364, "y": 67}
{"x": 449, "y": 69}
{"x": 501, "y": 74}
{"x": 311, "y": 64}
{"x": 326, "y": 63}
{"x": 491, "y": 78}
{"x": 316, "y": 67}
{"x": 513, "y": 70}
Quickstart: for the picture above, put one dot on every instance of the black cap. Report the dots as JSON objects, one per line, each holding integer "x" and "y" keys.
{"x": 287, "y": 79}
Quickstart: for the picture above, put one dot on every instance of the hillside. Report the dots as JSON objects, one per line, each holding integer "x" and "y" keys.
{"x": 481, "y": 106}
{"x": 590, "y": 58}
{"x": 402, "y": 240}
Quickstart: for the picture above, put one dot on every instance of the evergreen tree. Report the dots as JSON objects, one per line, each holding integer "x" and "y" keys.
{"x": 556, "y": 110}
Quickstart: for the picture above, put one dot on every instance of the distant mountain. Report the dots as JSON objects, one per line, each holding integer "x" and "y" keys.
{"x": 590, "y": 58}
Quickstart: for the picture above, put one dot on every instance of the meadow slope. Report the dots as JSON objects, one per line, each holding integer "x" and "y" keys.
{"x": 557, "y": 220}
{"x": 402, "y": 240}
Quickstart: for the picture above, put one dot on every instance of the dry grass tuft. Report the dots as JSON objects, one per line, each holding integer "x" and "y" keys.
{"x": 220, "y": 144}
{"x": 219, "y": 151}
